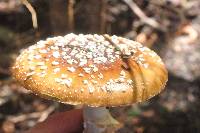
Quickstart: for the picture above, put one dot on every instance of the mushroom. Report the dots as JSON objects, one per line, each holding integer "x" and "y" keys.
{"x": 96, "y": 71}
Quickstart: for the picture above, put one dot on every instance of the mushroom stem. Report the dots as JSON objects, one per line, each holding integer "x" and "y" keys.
{"x": 99, "y": 120}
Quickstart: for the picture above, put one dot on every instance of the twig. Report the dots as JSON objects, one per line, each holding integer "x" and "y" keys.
{"x": 46, "y": 113}
{"x": 174, "y": 10}
{"x": 40, "y": 115}
{"x": 32, "y": 11}
{"x": 134, "y": 7}
{"x": 70, "y": 15}
{"x": 9, "y": 6}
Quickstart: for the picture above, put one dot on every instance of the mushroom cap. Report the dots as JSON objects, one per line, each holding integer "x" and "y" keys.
{"x": 95, "y": 70}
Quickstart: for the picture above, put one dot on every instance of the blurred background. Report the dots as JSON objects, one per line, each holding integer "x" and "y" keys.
{"x": 170, "y": 27}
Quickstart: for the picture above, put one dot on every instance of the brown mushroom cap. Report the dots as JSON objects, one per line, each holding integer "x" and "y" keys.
{"x": 95, "y": 70}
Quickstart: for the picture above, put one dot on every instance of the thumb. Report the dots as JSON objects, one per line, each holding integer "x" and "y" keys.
{"x": 64, "y": 122}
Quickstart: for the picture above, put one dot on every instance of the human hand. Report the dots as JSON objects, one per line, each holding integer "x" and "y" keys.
{"x": 64, "y": 122}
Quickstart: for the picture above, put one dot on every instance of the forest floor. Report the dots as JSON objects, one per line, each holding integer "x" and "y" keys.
{"x": 175, "y": 110}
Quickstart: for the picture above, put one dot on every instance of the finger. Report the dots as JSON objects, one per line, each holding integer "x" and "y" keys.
{"x": 64, "y": 122}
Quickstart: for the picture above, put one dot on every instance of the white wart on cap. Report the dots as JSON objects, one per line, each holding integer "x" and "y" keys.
{"x": 96, "y": 70}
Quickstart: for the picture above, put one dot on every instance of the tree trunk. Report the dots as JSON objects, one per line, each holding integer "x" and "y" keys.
{"x": 91, "y": 16}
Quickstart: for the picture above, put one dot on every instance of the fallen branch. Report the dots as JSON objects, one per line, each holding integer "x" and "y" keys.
{"x": 32, "y": 11}
{"x": 151, "y": 22}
